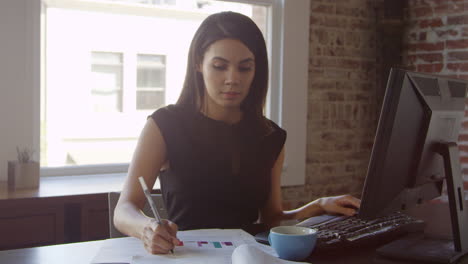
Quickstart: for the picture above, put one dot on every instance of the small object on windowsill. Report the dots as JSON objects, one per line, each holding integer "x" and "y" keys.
{"x": 24, "y": 172}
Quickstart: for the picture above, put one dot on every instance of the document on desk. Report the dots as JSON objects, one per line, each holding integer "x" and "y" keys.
{"x": 230, "y": 246}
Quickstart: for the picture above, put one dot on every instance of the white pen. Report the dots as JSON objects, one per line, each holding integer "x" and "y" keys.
{"x": 151, "y": 203}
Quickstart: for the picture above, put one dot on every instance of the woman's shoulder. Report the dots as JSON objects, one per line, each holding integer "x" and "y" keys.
{"x": 274, "y": 129}
{"x": 169, "y": 111}
{"x": 273, "y": 125}
{"x": 275, "y": 138}
{"x": 171, "y": 116}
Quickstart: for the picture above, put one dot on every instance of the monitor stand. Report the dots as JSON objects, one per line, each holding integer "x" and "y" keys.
{"x": 421, "y": 248}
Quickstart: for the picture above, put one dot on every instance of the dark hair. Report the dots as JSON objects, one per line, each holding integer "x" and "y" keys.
{"x": 220, "y": 26}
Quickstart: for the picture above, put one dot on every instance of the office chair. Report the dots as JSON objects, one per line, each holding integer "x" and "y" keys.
{"x": 113, "y": 197}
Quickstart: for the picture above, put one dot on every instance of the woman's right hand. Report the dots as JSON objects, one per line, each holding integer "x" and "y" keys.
{"x": 160, "y": 239}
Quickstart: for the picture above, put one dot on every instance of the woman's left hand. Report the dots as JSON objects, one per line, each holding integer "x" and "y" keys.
{"x": 342, "y": 204}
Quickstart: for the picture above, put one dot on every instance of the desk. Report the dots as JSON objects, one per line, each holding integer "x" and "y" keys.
{"x": 73, "y": 253}
{"x": 84, "y": 252}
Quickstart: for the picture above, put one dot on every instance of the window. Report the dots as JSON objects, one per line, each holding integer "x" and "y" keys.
{"x": 106, "y": 84}
{"x": 70, "y": 135}
{"x": 130, "y": 64}
{"x": 151, "y": 81}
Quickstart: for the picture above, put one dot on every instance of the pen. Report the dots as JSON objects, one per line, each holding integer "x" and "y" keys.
{"x": 151, "y": 203}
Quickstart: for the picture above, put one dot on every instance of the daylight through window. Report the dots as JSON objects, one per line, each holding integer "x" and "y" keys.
{"x": 110, "y": 64}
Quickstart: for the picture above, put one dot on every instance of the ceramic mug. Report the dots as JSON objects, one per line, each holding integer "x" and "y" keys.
{"x": 293, "y": 242}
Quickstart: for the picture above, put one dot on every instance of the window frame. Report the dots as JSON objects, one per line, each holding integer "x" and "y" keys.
{"x": 288, "y": 84}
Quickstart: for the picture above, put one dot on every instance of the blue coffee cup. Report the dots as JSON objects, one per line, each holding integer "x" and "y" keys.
{"x": 293, "y": 242}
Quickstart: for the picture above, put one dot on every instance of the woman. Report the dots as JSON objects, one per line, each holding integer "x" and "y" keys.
{"x": 219, "y": 159}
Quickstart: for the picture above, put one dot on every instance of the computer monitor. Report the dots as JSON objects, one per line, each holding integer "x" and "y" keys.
{"x": 415, "y": 148}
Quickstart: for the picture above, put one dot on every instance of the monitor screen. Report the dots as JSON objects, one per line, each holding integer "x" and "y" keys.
{"x": 418, "y": 111}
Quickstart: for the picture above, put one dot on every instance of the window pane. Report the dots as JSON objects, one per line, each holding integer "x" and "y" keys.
{"x": 107, "y": 58}
{"x": 110, "y": 67}
{"x": 150, "y": 99}
{"x": 106, "y": 79}
{"x": 151, "y": 71}
{"x": 151, "y": 81}
{"x": 151, "y": 77}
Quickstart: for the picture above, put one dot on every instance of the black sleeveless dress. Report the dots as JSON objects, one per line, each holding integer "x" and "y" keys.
{"x": 220, "y": 174}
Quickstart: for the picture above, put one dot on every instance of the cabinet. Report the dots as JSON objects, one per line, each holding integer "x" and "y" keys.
{"x": 39, "y": 221}
{"x": 94, "y": 219}
{"x": 63, "y": 210}
{"x": 30, "y": 223}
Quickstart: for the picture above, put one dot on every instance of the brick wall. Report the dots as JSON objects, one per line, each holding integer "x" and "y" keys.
{"x": 436, "y": 38}
{"x": 436, "y": 41}
{"x": 353, "y": 43}
{"x": 342, "y": 109}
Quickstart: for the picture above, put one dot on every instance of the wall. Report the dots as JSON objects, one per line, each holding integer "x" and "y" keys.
{"x": 353, "y": 43}
{"x": 19, "y": 79}
{"x": 345, "y": 79}
{"x": 20, "y": 82}
{"x": 436, "y": 41}
{"x": 436, "y": 37}
{"x": 342, "y": 105}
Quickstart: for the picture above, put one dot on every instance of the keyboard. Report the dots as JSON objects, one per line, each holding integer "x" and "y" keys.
{"x": 348, "y": 232}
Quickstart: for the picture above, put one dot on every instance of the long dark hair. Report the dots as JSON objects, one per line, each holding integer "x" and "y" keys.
{"x": 235, "y": 26}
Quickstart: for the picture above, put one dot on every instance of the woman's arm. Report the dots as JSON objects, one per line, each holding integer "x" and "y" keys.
{"x": 272, "y": 214}
{"x": 148, "y": 158}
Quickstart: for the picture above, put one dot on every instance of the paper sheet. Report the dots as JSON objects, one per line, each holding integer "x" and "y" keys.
{"x": 120, "y": 250}
{"x": 200, "y": 247}
{"x": 220, "y": 243}
{"x": 203, "y": 246}
{"x": 248, "y": 254}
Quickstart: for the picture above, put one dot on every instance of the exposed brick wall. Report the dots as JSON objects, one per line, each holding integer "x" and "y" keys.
{"x": 352, "y": 45}
{"x": 342, "y": 109}
{"x": 436, "y": 41}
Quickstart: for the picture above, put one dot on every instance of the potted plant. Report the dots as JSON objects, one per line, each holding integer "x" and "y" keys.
{"x": 24, "y": 172}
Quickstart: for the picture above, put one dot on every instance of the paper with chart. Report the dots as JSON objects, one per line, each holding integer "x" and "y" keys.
{"x": 200, "y": 246}
{"x": 205, "y": 246}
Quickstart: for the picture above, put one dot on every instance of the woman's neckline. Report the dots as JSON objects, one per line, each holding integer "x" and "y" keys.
{"x": 230, "y": 118}
{"x": 206, "y": 117}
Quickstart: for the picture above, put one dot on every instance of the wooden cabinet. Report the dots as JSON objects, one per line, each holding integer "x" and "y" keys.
{"x": 94, "y": 219}
{"x": 62, "y": 210}
{"x": 53, "y": 220}
{"x": 30, "y": 222}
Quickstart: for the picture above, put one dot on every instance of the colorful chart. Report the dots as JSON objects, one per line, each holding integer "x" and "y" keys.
{"x": 209, "y": 244}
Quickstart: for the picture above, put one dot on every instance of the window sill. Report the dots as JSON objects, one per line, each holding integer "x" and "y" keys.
{"x": 68, "y": 186}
